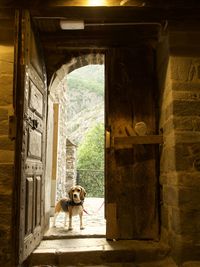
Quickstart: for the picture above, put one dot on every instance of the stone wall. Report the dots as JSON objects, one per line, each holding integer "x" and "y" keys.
{"x": 61, "y": 169}
{"x": 180, "y": 155}
{"x": 6, "y": 142}
{"x": 70, "y": 164}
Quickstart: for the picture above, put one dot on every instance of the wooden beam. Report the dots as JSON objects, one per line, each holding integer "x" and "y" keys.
{"x": 137, "y": 140}
{"x": 151, "y": 14}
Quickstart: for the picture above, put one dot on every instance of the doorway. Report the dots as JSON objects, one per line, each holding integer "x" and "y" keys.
{"x": 78, "y": 142}
{"x": 131, "y": 172}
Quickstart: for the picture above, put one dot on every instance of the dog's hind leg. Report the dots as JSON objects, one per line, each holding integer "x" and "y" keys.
{"x": 65, "y": 219}
{"x": 54, "y": 219}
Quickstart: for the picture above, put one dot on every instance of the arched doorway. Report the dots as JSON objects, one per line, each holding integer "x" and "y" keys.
{"x": 64, "y": 145}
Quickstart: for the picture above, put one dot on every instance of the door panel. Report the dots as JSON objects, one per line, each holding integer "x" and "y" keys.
{"x": 33, "y": 92}
{"x": 131, "y": 172}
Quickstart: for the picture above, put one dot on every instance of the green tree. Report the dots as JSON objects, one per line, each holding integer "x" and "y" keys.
{"x": 91, "y": 161}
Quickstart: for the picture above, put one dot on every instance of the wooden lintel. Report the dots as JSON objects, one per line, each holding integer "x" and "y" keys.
{"x": 138, "y": 140}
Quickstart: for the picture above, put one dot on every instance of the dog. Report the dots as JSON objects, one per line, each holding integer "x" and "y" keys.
{"x": 72, "y": 206}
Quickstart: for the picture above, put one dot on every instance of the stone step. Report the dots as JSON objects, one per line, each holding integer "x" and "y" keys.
{"x": 165, "y": 263}
{"x": 98, "y": 251}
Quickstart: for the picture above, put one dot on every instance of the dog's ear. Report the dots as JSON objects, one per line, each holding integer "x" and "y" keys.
{"x": 70, "y": 193}
{"x": 83, "y": 193}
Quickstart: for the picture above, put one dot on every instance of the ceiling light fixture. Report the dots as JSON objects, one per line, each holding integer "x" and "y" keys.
{"x": 96, "y": 3}
{"x": 71, "y": 24}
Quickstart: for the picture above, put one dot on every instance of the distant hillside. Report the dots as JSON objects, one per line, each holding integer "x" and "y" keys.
{"x": 85, "y": 100}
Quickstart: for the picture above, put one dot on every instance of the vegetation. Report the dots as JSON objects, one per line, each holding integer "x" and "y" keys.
{"x": 90, "y": 163}
{"x": 86, "y": 125}
{"x": 89, "y": 78}
{"x": 91, "y": 86}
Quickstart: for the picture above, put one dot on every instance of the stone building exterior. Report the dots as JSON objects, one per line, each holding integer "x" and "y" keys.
{"x": 70, "y": 164}
{"x": 178, "y": 82}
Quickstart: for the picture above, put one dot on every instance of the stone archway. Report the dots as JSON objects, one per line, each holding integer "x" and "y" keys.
{"x": 56, "y": 165}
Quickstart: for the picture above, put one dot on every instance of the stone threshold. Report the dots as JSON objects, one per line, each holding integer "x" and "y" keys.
{"x": 96, "y": 251}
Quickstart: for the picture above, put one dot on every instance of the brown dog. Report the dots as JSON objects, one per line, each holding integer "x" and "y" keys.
{"x": 72, "y": 205}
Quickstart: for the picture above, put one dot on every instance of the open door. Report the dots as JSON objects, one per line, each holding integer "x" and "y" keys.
{"x": 31, "y": 138}
{"x": 131, "y": 168}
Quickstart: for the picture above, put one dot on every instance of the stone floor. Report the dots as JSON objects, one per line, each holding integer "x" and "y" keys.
{"x": 94, "y": 222}
{"x": 89, "y": 247}
{"x": 78, "y": 252}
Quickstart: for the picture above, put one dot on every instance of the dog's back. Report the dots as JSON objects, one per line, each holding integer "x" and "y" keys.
{"x": 62, "y": 205}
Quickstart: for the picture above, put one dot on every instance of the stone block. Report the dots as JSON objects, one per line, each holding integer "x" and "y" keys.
{"x": 186, "y": 108}
{"x": 189, "y": 137}
{"x": 6, "y": 68}
{"x": 6, "y": 143}
{"x": 6, "y": 179}
{"x": 6, "y": 92}
{"x": 186, "y": 95}
{"x": 168, "y": 126}
{"x": 191, "y": 264}
{"x": 187, "y": 155}
{"x": 5, "y": 257}
{"x": 186, "y": 123}
{"x": 3, "y": 114}
{"x": 186, "y": 221}
{"x": 169, "y": 139}
{"x": 5, "y": 230}
{"x": 169, "y": 178}
{"x": 6, "y": 205}
{"x": 185, "y": 86}
{"x": 6, "y": 156}
{"x": 7, "y": 53}
{"x": 183, "y": 158}
{"x": 4, "y": 127}
{"x": 189, "y": 197}
{"x": 184, "y": 247}
{"x": 189, "y": 179}
{"x": 167, "y": 160}
{"x": 170, "y": 195}
{"x": 180, "y": 68}
{"x": 163, "y": 179}
{"x": 181, "y": 39}
{"x": 167, "y": 111}
{"x": 164, "y": 216}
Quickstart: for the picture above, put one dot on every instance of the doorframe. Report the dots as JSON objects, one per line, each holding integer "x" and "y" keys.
{"x": 76, "y": 62}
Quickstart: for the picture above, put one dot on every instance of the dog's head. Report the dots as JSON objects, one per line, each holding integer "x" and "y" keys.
{"x": 77, "y": 193}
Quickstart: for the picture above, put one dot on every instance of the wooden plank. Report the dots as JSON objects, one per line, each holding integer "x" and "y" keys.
{"x": 38, "y": 201}
{"x": 153, "y": 13}
{"x": 138, "y": 140}
{"x": 131, "y": 176}
{"x": 111, "y": 215}
{"x": 29, "y": 205}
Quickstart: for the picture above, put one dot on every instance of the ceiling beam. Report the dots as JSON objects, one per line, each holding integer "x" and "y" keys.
{"x": 117, "y": 13}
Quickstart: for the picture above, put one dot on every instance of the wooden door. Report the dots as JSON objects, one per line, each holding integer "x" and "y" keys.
{"x": 32, "y": 105}
{"x": 131, "y": 169}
